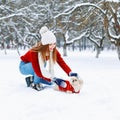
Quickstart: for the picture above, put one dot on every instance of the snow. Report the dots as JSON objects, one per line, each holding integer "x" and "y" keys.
{"x": 113, "y": 0}
{"x": 99, "y": 98}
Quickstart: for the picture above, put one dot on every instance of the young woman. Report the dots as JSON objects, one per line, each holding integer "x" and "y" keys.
{"x": 36, "y": 59}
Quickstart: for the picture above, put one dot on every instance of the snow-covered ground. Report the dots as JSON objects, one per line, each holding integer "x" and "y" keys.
{"x": 99, "y": 98}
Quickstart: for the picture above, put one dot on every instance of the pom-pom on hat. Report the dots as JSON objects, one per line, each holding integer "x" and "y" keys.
{"x": 47, "y": 37}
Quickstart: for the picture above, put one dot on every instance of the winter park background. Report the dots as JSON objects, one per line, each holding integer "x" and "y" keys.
{"x": 92, "y": 26}
{"x": 99, "y": 98}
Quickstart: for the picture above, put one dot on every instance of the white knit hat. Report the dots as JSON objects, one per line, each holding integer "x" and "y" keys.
{"x": 47, "y": 37}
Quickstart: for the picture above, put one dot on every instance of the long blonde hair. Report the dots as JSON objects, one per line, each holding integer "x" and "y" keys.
{"x": 44, "y": 49}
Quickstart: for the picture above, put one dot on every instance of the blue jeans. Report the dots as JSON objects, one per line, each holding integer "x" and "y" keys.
{"x": 27, "y": 69}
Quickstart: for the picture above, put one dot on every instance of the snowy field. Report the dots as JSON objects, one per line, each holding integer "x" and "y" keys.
{"x": 99, "y": 98}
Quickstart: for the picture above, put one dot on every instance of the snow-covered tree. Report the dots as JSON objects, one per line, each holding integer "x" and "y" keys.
{"x": 71, "y": 20}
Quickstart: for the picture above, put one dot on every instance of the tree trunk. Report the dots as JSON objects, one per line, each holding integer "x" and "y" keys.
{"x": 118, "y": 49}
{"x": 64, "y": 47}
{"x": 98, "y": 52}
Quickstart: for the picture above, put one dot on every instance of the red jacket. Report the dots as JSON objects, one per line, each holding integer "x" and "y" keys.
{"x": 68, "y": 87}
{"x": 32, "y": 57}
